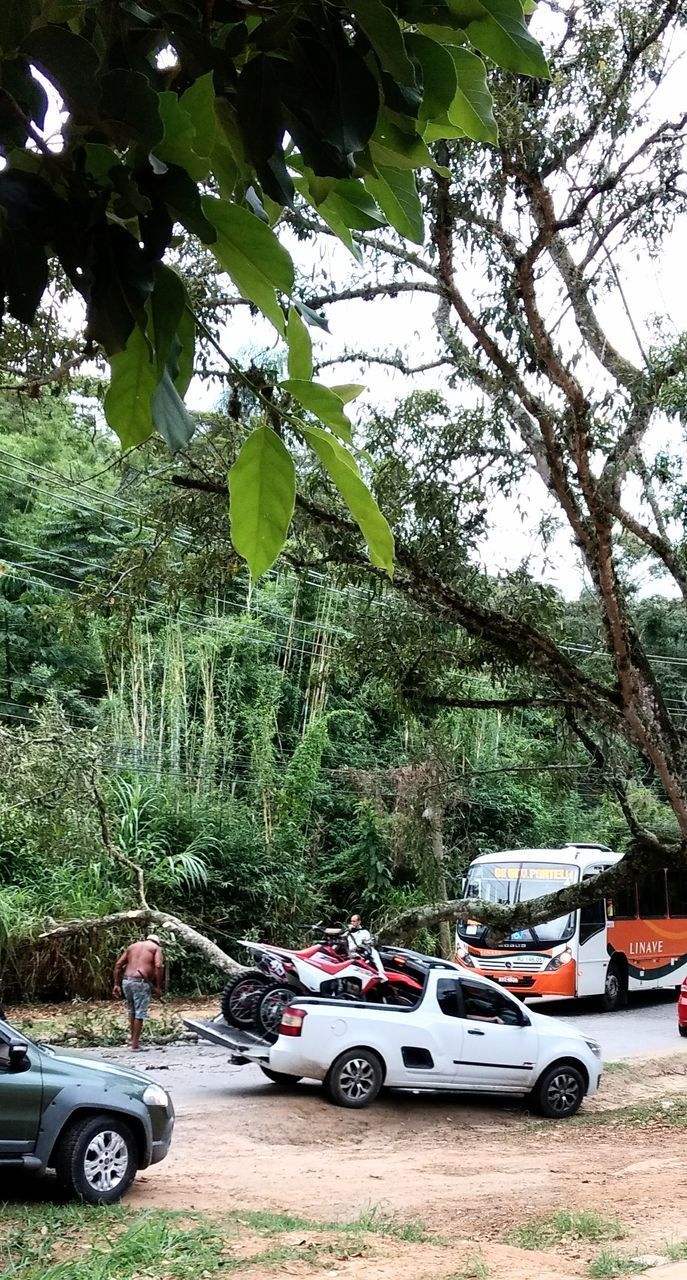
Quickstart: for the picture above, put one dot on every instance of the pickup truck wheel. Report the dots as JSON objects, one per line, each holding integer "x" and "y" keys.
{"x": 560, "y": 1091}
{"x": 97, "y": 1158}
{"x": 240, "y": 996}
{"x": 354, "y": 1079}
{"x": 280, "y": 1078}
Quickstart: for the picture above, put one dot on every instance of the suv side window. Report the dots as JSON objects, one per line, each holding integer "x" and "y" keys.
{"x": 485, "y": 1005}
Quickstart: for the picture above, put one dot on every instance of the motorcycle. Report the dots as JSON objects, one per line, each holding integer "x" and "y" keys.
{"x": 326, "y": 969}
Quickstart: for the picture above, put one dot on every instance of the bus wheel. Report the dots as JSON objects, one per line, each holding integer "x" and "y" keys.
{"x": 615, "y": 987}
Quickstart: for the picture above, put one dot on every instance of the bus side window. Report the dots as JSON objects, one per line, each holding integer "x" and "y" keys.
{"x": 592, "y": 920}
{"x": 677, "y": 893}
{"x": 624, "y": 904}
{"x": 651, "y": 895}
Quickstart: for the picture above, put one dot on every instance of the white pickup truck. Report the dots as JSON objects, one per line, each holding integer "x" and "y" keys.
{"x": 465, "y": 1034}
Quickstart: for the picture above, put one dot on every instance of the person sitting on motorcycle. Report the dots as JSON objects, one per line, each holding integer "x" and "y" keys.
{"x": 359, "y": 938}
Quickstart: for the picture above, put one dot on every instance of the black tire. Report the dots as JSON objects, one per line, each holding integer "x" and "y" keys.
{"x": 280, "y": 1078}
{"x": 240, "y": 996}
{"x": 96, "y": 1158}
{"x": 270, "y": 1008}
{"x": 682, "y": 1030}
{"x": 560, "y": 1091}
{"x": 354, "y": 1079}
{"x": 615, "y": 987}
{"x": 397, "y": 993}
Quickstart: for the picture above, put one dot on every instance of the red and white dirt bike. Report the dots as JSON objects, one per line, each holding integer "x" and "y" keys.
{"x": 255, "y": 1000}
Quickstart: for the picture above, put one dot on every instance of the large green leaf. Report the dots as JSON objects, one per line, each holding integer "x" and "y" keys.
{"x": 199, "y": 102}
{"x": 186, "y": 335}
{"x": 129, "y": 397}
{"x": 262, "y": 492}
{"x": 180, "y": 134}
{"x": 498, "y": 29}
{"x": 350, "y": 202}
{"x": 438, "y": 74}
{"x": 300, "y": 347}
{"x": 347, "y": 391}
{"x": 396, "y": 194}
{"x": 382, "y": 30}
{"x": 341, "y": 468}
{"x": 323, "y": 402}
{"x": 330, "y": 216}
{"x": 394, "y": 147}
{"x": 130, "y": 108}
{"x": 249, "y": 251}
{"x": 170, "y": 415}
{"x": 167, "y": 304}
{"x": 472, "y": 109}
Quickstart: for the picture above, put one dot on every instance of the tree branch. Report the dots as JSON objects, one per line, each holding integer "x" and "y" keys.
{"x": 145, "y": 916}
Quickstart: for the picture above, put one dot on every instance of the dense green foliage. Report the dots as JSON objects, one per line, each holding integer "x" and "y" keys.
{"x": 214, "y": 116}
{"x": 258, "y": 751}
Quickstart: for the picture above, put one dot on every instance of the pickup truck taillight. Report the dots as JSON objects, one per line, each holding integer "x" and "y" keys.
{"x": 292, "y": 1022}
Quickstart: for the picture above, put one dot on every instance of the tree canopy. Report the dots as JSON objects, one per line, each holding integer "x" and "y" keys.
{"x": 212, "y": 117}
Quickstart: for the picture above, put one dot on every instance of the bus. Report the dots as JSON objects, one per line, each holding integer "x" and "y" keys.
{"x": 635, "y": 940}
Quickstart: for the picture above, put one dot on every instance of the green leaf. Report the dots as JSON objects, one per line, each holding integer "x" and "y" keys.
{"x": 382, "y": 30}
{"x": 186, "y": 335}
{"x": 167, "y": 305}
{"x": 170, "y": 415}
{"x": 392, "y": 147}
{"x": 130, "y": 109}
{"x": 330, "y": 216}
{"x": 438, "y": 75}
{"x": 129, "y": 397}
{"x": 337, "y": 462}
{"x": 472, "y": 109}
{"x": 498, "y": 29}
{"x": 396, "y": 194}
{"x": 199, "y": 102}
{"x": 262, "y": 492}
{"x": 68, "y": 62}
{"x": 323, "y": 402}
{"x": 176, "y": 146}
{"x": 300, "y": 347}
{"x": 347, "y": 391}
{"x": 249, "y": 251}
{"x": 350, "y": 202}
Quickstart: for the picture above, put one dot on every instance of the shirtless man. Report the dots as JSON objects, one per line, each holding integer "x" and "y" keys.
{"x": 138, "y": 972}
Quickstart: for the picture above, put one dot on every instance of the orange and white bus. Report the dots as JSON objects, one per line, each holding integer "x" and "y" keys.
{"x": 634, "y": 941}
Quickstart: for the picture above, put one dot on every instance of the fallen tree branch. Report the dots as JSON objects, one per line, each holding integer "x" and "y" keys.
{"x": 503, "y": 920}
{"x": 145, "y": 916}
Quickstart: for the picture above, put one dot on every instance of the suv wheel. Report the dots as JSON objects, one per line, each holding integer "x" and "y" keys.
{"x": 97, "y": 1159}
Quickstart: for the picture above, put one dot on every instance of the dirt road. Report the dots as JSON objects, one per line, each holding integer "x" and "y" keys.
{"x": 469, "y": 1167}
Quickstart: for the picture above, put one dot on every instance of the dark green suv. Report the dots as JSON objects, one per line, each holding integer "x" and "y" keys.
{"x": 93, "y": 1122}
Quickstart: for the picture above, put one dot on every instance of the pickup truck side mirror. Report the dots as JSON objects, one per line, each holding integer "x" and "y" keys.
{"x": 19, "y": 1057}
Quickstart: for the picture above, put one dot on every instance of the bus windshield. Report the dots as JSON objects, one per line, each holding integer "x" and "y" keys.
{"x": 513, "y": 882}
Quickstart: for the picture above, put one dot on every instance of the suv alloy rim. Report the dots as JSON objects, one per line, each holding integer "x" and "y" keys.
{"x": 563, "y": 1092}
{"x": 106, "y": 1160}
{"x": 357, "y": 1079}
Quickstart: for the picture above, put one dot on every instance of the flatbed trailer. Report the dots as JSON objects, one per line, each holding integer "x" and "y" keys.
{"x": 243, "y": 1046}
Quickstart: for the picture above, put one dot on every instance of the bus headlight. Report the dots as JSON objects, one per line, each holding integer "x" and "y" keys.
{"x": 557, "y": 962}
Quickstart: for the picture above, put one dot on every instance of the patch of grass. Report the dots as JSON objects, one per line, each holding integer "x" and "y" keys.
{"x": 664, "y": 1113}
{"x": 84, "y": 1027}
{"x": 475, "y": 1269}
{"x": 676, "y": 1252}
{"x": 556, "y": 1228}
{"x": 75, "y": 1242}
{"x": 609, "y": 1264}
{"x": 611, "y": 1067}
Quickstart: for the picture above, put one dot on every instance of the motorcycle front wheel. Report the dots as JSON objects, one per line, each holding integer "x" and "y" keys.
{"x": 270, "y": 1010}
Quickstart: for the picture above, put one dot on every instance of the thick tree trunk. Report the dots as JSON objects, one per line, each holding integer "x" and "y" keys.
{"x": 183, "y": 932}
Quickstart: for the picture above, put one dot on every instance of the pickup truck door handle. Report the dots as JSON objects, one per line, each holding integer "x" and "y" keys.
{"x": 474, "y": 1032}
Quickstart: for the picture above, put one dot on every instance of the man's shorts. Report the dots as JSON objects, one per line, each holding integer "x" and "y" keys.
{"x": 137, "y": 995}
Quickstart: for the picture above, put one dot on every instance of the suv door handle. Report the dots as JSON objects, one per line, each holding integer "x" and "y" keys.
{"x": 474, "y": 1032}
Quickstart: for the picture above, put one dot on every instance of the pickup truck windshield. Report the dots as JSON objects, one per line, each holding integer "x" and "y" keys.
{"x": 513, "y": 882}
